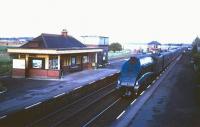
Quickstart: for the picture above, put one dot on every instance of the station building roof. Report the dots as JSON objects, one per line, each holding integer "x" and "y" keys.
{"x": 154, "y": 43}
{"x": 54, "y": 41}
{"x": 54, "y": 44}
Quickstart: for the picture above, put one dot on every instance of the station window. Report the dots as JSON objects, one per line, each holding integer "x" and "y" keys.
{"x": 38, "y": 63}
{"x": 22, "y": 56}
{"x": 85, "y": 59}
{"x": 104, "y": 55}
{"x": 92, "y": 58}
{"x": 53, "y": 62}
{"x": 73, "y": 60}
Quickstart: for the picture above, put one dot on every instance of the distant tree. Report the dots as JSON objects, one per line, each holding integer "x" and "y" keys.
{"x": 195, "y": 43}
{"x": 115, "y": 47}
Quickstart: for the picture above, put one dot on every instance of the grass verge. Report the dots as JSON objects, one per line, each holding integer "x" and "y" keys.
{"x": 118, "y": 54}
{"x": 5, "y": 64}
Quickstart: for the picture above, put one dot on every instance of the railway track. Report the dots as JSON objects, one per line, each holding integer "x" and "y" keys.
{"x": 114, "y": 111}
{"x": 90, "y": 112}
{"x": 100, "y": 108}
{"x": 103, "y": 112}
{"x": 109, "y": 114}
{"x": 56, "y": 118}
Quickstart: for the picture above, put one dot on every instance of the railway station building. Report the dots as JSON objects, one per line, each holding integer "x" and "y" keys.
{"x": 51, "y": 56}
{"x": 98, "y": 42}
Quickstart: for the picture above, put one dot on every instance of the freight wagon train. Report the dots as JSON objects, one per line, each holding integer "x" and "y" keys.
{"x": 139, "y": 71}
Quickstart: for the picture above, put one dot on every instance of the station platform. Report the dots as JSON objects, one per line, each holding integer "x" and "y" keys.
{"x": 25, "y": 92}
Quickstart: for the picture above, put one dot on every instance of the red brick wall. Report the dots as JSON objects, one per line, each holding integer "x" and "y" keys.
{"x": 87, "y": 66}
{"x": 18, "y": 73}
{"x": 53, "y": 73}
{"x": 37, "y": 73}
{"x": 44, "y": 73}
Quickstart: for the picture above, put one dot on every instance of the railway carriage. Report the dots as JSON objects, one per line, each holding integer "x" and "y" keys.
{"x": 158, "y": 63}
{"x": 167, "y": 56}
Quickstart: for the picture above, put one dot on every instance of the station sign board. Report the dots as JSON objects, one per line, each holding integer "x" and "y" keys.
{"x": 19, "y": 63}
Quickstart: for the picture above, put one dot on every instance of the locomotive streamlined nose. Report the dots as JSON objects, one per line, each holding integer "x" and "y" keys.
{"x": 128, "y": 75}
{"x": 131, "y": 71}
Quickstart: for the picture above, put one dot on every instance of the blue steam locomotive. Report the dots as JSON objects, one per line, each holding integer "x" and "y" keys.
{"x": 139, "y": 71}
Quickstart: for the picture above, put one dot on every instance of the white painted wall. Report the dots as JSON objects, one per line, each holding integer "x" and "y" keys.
{"x": 95, "y": 40}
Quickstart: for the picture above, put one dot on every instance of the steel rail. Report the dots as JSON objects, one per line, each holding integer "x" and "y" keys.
{"x": 73, "y": 103}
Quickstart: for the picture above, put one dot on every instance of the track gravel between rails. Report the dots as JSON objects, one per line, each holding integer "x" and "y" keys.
{"x": 110, "y": 113}
{"x": 68, "y": 111}
{"x": 91, "y": 111}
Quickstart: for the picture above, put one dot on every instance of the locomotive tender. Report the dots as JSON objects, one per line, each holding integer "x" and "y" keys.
{"x": 139, "y": 71}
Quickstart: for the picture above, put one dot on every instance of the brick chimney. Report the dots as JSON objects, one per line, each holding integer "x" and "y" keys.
{"x": 64, "y": 33}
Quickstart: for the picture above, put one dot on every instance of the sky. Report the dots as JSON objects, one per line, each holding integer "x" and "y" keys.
{"x": 139, "y": 21}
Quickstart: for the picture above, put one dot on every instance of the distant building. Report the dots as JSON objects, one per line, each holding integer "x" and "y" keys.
{"x": 50, "y": 55}
{"x": 153, "y": 46}
{"x": 14, "y": 42}
{"x": 98, "y": 42}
